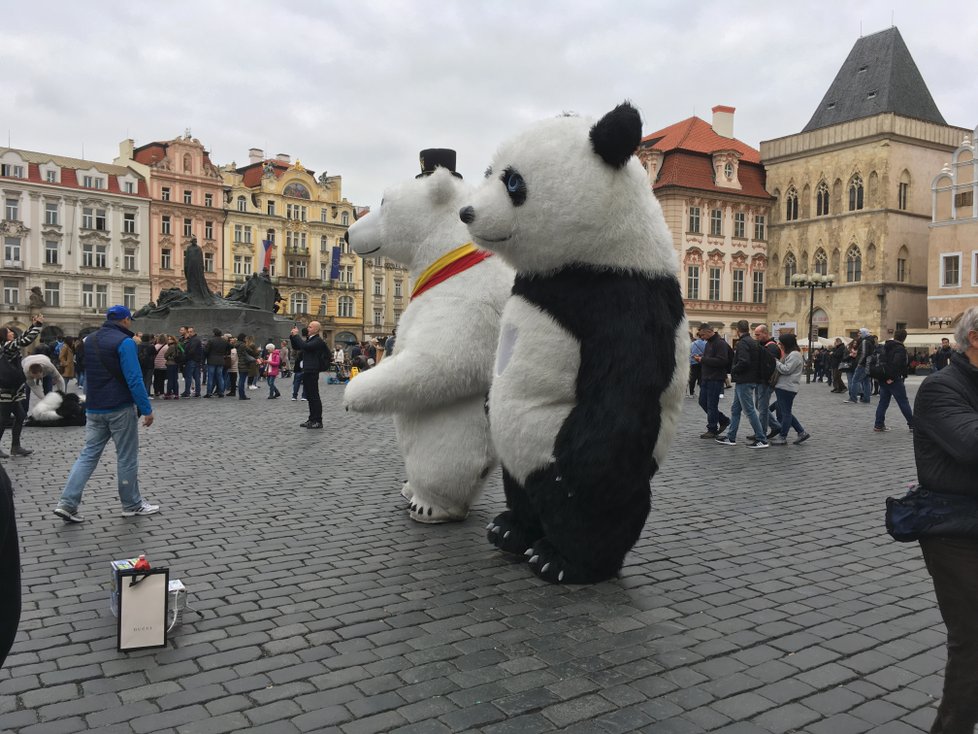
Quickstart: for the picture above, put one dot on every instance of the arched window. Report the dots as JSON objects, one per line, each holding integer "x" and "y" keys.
{"x": 903, "y": 265}
{"x": 345, "y": 219}
{"x": 822, "y": 199}
{"x": 242, "y": 204}
{"x": 855, "y": 193}
{"x": 344, "y": 307}
{"x": 790, "y": 267}
{"x": 299, "y": 303}
{"x": 791, "y": 205}
{"x": 854, "y": 265}
{"x": 820, "y": 262}
{"x": 188, "y": 166}
{"x": 903, "y": 190}
{"x": 323, "y": 303}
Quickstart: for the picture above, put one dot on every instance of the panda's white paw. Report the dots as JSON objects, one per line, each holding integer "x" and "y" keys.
{"x": 406, "y": 491}
{"x": 421, "y": 511}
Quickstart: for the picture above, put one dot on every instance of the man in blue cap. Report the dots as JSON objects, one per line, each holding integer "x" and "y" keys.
{"x": 115, "y": 387}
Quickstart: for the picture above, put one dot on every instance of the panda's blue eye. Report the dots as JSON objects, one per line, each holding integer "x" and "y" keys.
{"x": 515, "y": 186}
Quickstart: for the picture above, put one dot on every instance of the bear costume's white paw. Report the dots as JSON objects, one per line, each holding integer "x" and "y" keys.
{"x": 406, "y": 491}
{"x": 426, "y": 512}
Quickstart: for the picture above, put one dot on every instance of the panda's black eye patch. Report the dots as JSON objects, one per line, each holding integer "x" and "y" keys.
{"x": 515, "y": 186}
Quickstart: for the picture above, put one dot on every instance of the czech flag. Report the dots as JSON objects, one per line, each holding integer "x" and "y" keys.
{"x": 267, "y": 244}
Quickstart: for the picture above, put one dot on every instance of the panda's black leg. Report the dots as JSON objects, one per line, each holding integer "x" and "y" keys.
{"x": 547, "y": 563}
{"x": 518, "y": 528}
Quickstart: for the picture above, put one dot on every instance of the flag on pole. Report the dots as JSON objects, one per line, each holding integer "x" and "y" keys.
{"x": 267, "y": 244}
{"x": 334, "y": 268}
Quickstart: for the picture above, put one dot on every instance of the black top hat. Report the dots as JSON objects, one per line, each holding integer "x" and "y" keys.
{"x": 432, "y": 158}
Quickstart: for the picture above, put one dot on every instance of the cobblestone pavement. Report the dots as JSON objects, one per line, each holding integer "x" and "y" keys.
{"x": 764, "y": 595}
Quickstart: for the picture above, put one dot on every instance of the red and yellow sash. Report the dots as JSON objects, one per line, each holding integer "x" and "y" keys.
{"x": 449, "y": 264}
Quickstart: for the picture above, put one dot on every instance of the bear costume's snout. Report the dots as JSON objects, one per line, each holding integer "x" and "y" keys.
{"x": 467, "y": 214}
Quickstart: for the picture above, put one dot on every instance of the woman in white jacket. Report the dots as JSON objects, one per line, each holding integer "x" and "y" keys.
{"x": 789, "y": 370}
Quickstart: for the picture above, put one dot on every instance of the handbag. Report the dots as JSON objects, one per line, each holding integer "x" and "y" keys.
{"x": 921, "y": 513}
{"x": 846, "y": 364}
{"x": 773, "y": 379}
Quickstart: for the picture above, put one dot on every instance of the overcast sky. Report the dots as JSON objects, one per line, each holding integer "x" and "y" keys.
{"x": 359, "y": 87}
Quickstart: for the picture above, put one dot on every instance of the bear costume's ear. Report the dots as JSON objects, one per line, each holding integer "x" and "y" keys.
{"x": 441, "y": 186}
{"x": 616, "y": 135}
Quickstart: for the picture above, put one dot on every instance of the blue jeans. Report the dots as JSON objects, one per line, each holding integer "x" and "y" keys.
{"x": 191, "y": 373}
{"x": 121, "y": 426}
{"x": 744, "y": 403}
{"x": 859, "y": 383}
{"x": 272, "y": 390}
{"x": 710, "y": 403}
{"x": 172, "y": 379}
{"x": 297, "y": 383}
{"x": 80, "y": 378}
{"x": 786, "y": 399}
{"x": 763, "y": 403}
{"x": 898, "y": 391}
{"x": 215, "y": 379}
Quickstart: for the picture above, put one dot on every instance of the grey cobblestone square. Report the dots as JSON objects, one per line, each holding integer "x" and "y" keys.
{"x": 764, "y": 595}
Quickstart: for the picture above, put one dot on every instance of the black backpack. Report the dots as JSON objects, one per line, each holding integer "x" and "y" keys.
{"x": 767, "y": 364}
{"x": 876, "y": 363}
{"x": 11, "y": 373}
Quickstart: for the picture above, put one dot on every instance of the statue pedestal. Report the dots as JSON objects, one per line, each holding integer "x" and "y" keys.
{"x": 263, "y": 325}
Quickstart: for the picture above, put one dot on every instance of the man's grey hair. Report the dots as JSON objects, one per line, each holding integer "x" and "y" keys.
{"x": 967, "y": 323}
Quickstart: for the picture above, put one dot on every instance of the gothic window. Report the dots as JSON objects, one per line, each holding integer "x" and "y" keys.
{"x": 820, "y": 262}
{"x": 854, "y": 264}
{"x": 790, "y": 267}
{"x": 855, "y": 193}
{"x": 791, "y": 205}
{"x": 903, "y": 191}
{"x": 822, "y": 199}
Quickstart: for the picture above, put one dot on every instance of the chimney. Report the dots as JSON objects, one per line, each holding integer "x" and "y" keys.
{"x": 126, "y": 149}
{"x": 255, "y": 155}
{"x": 283, "y": 157}
{"x": 723, "y": 120}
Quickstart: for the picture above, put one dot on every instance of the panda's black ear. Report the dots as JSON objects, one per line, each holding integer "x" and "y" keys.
{"x": 616, "y": 135}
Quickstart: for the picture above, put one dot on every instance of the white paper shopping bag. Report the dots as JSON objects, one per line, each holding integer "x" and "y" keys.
{"x": 143, "y": 601}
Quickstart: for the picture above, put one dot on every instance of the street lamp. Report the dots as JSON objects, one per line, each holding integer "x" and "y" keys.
{"x": 811, "y": 282}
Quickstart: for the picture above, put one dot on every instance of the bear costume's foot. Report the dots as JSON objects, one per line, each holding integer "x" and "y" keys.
{"x": 550, "y": 566}
{"x": 421, "y": 511}
{"x": 406, "y": 491}
{"x": 507, "y": 536}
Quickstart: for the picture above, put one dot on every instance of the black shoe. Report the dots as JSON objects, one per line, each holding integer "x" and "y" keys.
{"x": 205, "y": 396}
{"x": 244, "y": 398}
{"x": 306, "y": 424}
{"x": 20, "y": 451}
{"x": 218, "y": 395}
{"x": 315, "y": 425}
{"x": 185, "y": 395}
{"x": 773, "y": 432}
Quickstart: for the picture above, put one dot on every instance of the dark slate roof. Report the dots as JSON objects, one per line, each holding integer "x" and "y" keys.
{"x": 878, "y": 76}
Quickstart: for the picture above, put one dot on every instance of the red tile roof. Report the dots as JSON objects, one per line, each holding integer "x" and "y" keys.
{"x": 697, "y": 136}
{"x": 252, "y": 173}
{"x": 69, "y": 179}
{"x": 695, "y": 171}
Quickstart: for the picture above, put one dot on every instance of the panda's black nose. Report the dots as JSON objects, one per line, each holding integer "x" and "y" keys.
{"x": 467, "y": 214}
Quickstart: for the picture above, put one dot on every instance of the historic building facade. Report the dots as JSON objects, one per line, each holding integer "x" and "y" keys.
{"x": 304, "y": 218}
{"x": 187, "y": 196}
{"x": 387, "y": 291}
{"x": 852, "y": 199}
{"x": 711, "y": 188}
{"x": 78, "y": 232}
{"x": 952, "y": 259}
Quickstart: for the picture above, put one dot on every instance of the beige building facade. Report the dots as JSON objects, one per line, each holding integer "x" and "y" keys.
{"x": 853, "y": 200}
{"x": 387, "y": 291}
{"x": 952, "y": 284}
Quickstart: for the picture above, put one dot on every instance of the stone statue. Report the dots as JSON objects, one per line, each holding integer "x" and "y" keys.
{"x": 193, "y": 270}
{"x": 262, "y": 293}
{"x": 145, "y": 310}
{"x": 36, "y": 298}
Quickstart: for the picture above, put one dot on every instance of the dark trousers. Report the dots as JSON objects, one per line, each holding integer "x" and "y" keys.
{"x": 159, "y": 381}
{"x": 786, "y": 399}
{"x": 16, "y": 408}
{"x": 172, "y": 381}
{"x": 191, "y": 374}
{"x": 837, "y": 383}
{"x": 242, "y": 384}
{"x": 310, "y": 384}
{"x": 9, "y": 568}
{"x": 232, "y": 382}
{"x": 898, "y": 391}
{"x": 694, "y": 377}
{"x": 951, "y": 563}
{"x": 710, "y": 402}
{"x": 296, "y": 383}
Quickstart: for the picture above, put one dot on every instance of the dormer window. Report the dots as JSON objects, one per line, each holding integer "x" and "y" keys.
{"x": 728, "y": 170}
{"x": 93, "y": 182}
{"x": 12, "y": 169}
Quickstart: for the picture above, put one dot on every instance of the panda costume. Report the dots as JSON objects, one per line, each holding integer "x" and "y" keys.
{"x": 435, "y": 384}
{"x": 592, "y": 357}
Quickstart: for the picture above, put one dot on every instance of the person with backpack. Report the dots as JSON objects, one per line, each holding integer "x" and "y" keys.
{"x": 891, "y": 370}
{"x": 13, "y": 383}
{"x": 746, "y": 374}
{"x": 770, "y": 354}
{"x": 859, "y": 383}
{"x": 789, "y": 370}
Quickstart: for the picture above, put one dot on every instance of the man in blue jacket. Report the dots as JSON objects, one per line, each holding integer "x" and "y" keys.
{"x": 116, "y": 397}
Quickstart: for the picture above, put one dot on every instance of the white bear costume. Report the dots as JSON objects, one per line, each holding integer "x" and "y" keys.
{"x": 437, "y": 381}
{"x": 591, "y": 363}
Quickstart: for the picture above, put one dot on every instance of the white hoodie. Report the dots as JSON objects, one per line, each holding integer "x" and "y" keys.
{"x": 48, "y": 369}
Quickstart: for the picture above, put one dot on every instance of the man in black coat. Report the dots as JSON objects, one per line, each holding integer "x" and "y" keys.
{"x": 895, "y": 364}
{"x": 746, "y": 374}
{"x": 194, "y": 351}
{"x": 216, "y": 349}
{"x": 316, "y": 358}
{"x": 715, "y": 363}
{"x": 945, "y": 444}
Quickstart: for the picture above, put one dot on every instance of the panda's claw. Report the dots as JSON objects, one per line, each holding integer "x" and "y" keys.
{"x": 529, "y": 552}
{"x": 560, "y": 576}
{"x": 489, "y": 526}
{"x": 534, "y": 559}
{"x": 545, "y": 567}
{"x": 506, "y": 534}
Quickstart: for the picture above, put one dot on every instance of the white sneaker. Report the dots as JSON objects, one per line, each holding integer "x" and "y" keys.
{"x": 145, "y": 509}
{"x": 252, "y": 387}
